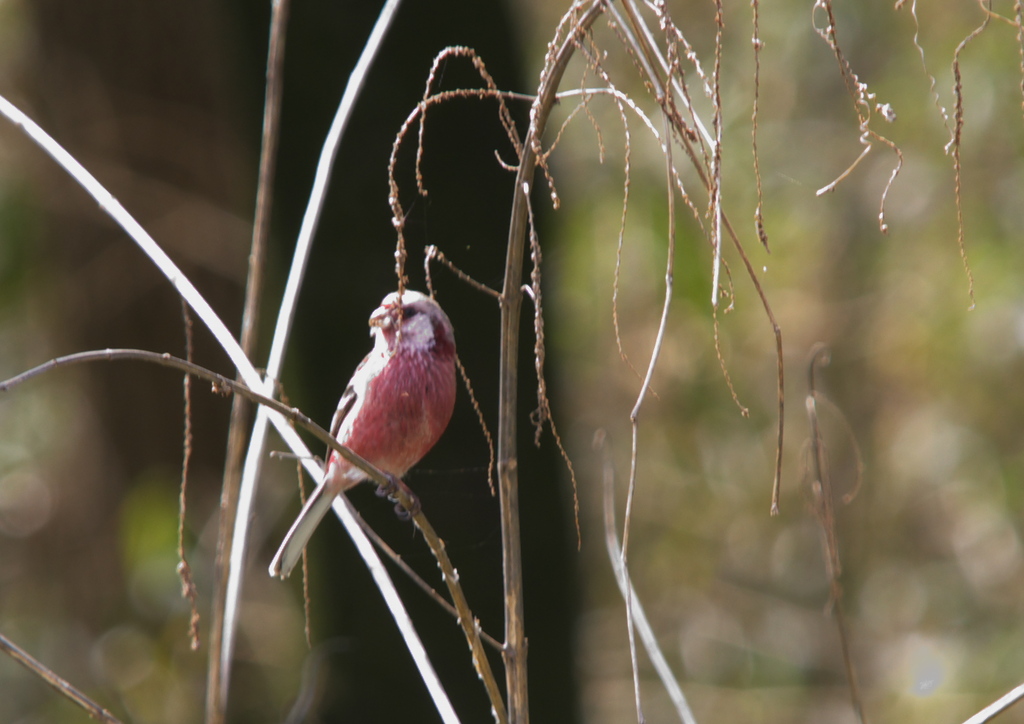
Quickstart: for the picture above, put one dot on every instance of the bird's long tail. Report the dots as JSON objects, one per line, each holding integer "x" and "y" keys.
{"x": 301, "y": 531}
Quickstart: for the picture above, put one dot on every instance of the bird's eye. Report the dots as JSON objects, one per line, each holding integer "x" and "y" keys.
{"x": 408, "y": 312}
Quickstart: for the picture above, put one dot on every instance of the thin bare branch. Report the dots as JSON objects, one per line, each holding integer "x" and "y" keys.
{"x": 221, "y": 384}
{"x": 755, "y": 6}
{"x": 415, "y": 578}
{"x": 643, "y": 625}
{"x": 432, "y": 252}
{"x": 997, "y": 707}
{"x": 634, "y": 415}
{"x": 1018, "y": 12}
{"x": 216, "y": 704}
{"x": 61, "y": 686}
{"x": 825, "y": 510}
{"x": 306, "y": 601}
{"x": 141, "y": 237}
{"x": 716, "y": 156}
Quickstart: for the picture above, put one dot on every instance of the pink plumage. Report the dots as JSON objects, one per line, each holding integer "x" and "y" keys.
{"x": 395, "y": 408}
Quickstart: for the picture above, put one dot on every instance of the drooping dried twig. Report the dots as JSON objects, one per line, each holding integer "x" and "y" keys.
{"x": 418, "y": 115}
{"x": 865, "y": 106}
{"x": 188, "y": 586}
{"x": 542, "y": 414}
{"x": 744, "y": 411}
{"x": 504, "y": 116}
{"x": 932, "y": 83}
{"x": 483, "y": 424}
{"x": 650, "y": 58}
{"x": 431, "y": 253}
{"x": 954, "y": 147}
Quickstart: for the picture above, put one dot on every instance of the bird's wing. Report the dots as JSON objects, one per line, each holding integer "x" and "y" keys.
{"x": 345, "y": 405}
{"x": 320, "y": 501}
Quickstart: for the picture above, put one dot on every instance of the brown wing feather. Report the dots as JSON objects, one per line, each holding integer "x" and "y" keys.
{"x": 348, "y": 399}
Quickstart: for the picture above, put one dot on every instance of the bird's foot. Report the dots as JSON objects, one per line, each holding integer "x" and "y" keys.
{"x": 391, "y": 492}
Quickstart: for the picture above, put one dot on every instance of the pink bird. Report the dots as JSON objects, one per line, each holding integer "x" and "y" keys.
{"x": 395, "y": 408}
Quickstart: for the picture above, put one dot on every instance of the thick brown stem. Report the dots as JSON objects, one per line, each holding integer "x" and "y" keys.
{"x": 511, "y": 303}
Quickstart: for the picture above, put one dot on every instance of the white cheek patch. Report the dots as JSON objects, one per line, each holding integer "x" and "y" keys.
{"x": 418, "y": 332}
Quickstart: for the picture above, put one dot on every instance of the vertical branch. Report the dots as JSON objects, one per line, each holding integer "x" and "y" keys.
{"x": 279, "y": 344}
{"x": 756, "y": 42}
{"x": 511, "y": 304}
{"x": 634, "y": 415}
{"x": 1018, "y": 16}
{"x": 825, "y": 509}
{"x": 643, "y": 625}
{"x": 716, "y": 158}
{"x": 216, "y": 702}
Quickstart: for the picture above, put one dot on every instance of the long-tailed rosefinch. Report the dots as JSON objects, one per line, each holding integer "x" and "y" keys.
{"x": 394, "y": 409}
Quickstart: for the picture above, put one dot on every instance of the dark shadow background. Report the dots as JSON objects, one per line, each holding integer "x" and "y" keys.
{"x": 164, "y": 104}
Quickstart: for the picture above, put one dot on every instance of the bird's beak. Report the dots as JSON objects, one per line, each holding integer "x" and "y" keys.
{"x": 383, "y": 316}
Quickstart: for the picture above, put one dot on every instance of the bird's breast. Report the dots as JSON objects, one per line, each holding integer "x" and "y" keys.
{"x": 405, "y": 409}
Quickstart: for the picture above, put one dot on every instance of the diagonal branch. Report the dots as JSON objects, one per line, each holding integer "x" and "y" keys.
{"x": 62, "y": 686}
{"x": 215, "y": 324}
{"x": 222, "y": 384}
{"x": 282, "y": 332}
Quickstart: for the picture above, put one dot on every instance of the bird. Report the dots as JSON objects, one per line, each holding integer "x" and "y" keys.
{"x": 393, "y": 411}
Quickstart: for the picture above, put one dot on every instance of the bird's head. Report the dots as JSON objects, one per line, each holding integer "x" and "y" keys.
{"x": 425, "y": 326}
